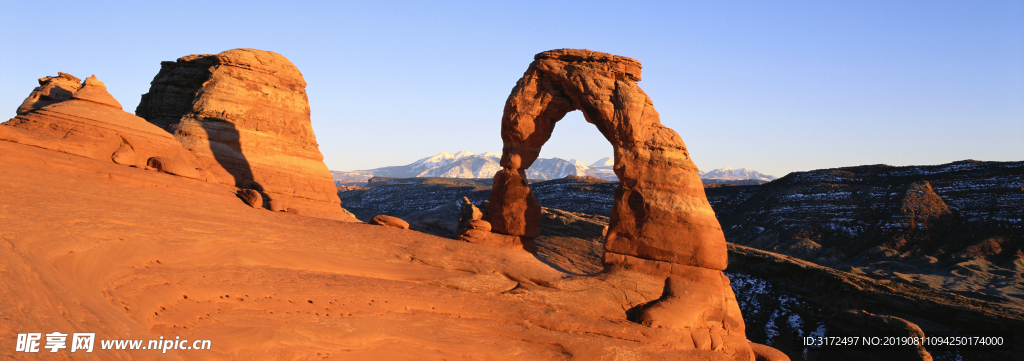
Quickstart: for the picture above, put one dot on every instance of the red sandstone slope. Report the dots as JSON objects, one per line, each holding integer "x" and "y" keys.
{"x": 90, "y": 246}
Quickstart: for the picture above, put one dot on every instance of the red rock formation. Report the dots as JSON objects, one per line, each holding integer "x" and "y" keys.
{"x": 389, "y": 221}
{"x": 90, "y": 123}
{"x": 245, "y": 115}
{"x": 661, "y": 222}
{"x": 661, "y": 213}
{"x": 51, "y": 89}
{"x": 251, "y": 197}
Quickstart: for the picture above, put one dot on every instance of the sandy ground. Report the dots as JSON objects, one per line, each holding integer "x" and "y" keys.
{"x": 90, "y": 246}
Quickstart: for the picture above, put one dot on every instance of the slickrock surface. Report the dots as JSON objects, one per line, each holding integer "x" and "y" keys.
{"x": 91, "y": 246}
{"x": 90, "y": 123}
{"x": 661, "y": 221}
{"x": 245, "y": 115}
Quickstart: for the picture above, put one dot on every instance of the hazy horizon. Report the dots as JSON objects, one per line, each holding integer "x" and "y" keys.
{"x": 770, "y": 87}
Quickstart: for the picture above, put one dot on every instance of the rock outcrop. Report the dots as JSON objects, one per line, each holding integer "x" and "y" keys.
{"x": 251, "y": 197}
{"x": 244, "y": 114}
{"x": 661, "y": 221}
{"x": 389, "y": 221}
{"x": 89, "y": 122}
{"x": 51, "y": 89}
{"x": 469, "y": 213}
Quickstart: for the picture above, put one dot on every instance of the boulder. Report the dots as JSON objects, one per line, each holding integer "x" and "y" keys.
{"x": 277, "y": 205}
{"x": 251, "y": 197}
{"x": 245, "y": 116}
{"x": 389, "y": 221}
{"x": 90, "y": 123}
{"x": 479, "y": 224}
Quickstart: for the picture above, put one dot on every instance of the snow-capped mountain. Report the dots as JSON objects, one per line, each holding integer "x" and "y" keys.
{"x": 554, "y": 168}
{"x": 606, "y": 162}
{"x": 465, "y": 164}
{"x": 736, "y": 174}
{"x": 602, "y": 168}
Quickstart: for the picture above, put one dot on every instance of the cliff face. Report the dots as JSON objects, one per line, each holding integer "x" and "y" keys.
{"x": 245, "y": 115}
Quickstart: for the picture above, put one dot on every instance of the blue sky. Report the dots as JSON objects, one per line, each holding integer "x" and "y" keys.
{"x": 772, "y": 86}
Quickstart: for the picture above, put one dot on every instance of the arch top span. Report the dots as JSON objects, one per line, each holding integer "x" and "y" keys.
{"x": 661, "y": 216}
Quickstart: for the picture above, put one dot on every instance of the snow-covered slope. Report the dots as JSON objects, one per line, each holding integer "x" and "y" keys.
{"x": 736, "y": 174}
{"x": 606, "y": 162}
{"x": 465, "y": 164}
{"x": 554, "y": 168}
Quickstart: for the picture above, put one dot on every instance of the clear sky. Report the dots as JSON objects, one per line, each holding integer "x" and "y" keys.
{"x": 775, "y": 86}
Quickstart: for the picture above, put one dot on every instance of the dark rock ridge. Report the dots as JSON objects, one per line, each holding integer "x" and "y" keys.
{"x": 437, "y": 198}
{"x": 414, "y": 198}
{"x": 576, "y": 194}
{"x": 784, "y": 298}
{"x": 956, "y": 226}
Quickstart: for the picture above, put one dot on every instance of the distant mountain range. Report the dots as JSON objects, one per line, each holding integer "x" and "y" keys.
{"x": 736, "y": 174}
{"x": 465, "y": 164}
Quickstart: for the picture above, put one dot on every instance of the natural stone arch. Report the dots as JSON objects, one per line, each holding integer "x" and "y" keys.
{"x": 661, "y": 219}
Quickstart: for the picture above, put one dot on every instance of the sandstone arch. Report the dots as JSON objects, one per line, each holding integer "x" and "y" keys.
{"x": 661, "y": 220}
